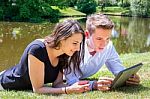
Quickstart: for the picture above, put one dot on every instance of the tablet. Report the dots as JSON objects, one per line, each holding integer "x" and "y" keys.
{"x": 124, "y": 75}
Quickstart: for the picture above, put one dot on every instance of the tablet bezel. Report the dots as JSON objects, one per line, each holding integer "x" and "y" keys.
{"x": 123, "y": 75}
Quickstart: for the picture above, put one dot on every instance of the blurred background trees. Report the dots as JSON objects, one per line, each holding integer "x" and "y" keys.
{"x": 36, "y": 10}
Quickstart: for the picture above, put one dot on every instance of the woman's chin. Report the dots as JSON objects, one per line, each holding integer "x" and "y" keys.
{"x": 70, "y": 54}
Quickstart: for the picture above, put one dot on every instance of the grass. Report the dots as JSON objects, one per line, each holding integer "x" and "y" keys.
{"x": 114, "y": 10}
{"x": 128, "y": 92}
{"x": 69, "y": 11}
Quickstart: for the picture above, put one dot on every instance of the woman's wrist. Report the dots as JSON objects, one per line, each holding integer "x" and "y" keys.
{"x": 66, "y": 90}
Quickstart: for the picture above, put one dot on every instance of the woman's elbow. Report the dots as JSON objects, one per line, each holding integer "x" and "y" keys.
{"x": 36, "y": 90}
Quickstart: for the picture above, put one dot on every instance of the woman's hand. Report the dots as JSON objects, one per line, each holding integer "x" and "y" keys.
{"x": 103, "y": 84}
{"x": 133, "y": 80}
{"x": 78, "y": 87}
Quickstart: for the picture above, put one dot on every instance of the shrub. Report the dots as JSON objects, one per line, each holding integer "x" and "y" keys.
{"x": 87, "y": 6}
{"x": 1, "y": 13}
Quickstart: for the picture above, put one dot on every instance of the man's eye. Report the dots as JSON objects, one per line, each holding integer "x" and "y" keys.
{"x": 74, "y": 43}
{"x": 99, "y": 38}
{"x": 108, "y": 39}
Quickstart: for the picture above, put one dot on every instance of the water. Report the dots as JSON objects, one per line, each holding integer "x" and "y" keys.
{"x": 131, "y": 35}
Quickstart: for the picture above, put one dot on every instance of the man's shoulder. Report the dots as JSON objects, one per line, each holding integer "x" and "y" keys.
{"x": 109, "y": 45}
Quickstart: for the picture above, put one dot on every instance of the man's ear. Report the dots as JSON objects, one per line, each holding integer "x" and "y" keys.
{"x": 87, "y": 34}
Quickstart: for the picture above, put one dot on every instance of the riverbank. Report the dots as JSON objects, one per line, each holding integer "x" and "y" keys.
{"x": 135, "y": 92}
{"x": 113, "y": 11}
{"x": 116, "y": 11}
{"x": 72, "y": 12}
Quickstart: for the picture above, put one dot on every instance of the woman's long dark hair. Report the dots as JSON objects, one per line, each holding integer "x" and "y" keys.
{"x": 63, "y": 31}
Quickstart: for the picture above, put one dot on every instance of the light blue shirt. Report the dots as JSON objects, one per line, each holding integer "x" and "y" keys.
{"x": 92, "y": 64}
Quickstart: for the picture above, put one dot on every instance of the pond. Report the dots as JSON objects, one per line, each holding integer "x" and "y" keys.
{"x": 131, "y": 35}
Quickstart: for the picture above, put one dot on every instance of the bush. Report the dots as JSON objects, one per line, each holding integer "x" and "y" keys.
{"x": 27, "y": 10}
{"x": 24, "y": 12}
{"x": 139, "y": 8}
{"x": 87, "y": 6}
{"x": 1, "y": 13}
{"x": 125, "y": 4}
{"x": 36, "y": 19}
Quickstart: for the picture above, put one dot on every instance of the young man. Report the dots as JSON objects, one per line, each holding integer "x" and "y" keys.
{"x": 99, "y": 50}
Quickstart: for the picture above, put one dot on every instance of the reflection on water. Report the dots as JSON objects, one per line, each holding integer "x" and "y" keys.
{"x": 148, "y": 40}
{"x": 15, "y": 36}
{"x": 133, "y": 34}
{"x": 130, "y": 35}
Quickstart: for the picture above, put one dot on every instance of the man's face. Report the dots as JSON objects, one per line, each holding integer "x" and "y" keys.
{"x": 101, "y": 38}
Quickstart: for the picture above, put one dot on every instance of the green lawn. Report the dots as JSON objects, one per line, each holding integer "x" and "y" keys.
{"x": 114, "y": 10}
{"x": 69, "y": 11}
{"x": 135, "y": 92}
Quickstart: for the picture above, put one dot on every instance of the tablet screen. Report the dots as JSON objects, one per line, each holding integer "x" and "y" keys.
{"x": 122, "y": 76}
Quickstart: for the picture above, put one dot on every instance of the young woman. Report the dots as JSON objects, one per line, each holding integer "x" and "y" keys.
{"x": 43, "y": 62}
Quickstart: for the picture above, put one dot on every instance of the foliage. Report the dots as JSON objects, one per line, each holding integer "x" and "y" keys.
{"x": 87, "y": 6}
{"x": 24, "y": 10}
{"x": 139, "y": 8}
{"x": 72, "y": 3}
{"x": 1, "y": 13}
{"x": 124, "y": 4}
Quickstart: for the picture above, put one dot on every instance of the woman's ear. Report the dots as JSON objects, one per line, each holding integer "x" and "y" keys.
{"x": 87, "y": 34}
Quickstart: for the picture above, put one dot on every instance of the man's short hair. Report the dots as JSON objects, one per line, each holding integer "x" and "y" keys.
{"x": 98, "y": 21}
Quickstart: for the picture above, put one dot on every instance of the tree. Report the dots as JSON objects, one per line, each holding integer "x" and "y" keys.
{"x": 139, "y": 8}
{"x": 87, "y": 6}
{"x": 25, "y": 10}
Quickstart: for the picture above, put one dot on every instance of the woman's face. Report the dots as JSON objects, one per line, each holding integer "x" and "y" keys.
{"x": 71, "y": 44}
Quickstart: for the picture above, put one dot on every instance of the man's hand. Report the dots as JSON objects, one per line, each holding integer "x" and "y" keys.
{"x": 103, "y": 84}
{"x": 133, "y": 80}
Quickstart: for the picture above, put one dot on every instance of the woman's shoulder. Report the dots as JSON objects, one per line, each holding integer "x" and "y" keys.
{"x": 42, "y": 40}
{"x": 37, "y": 42}
{"x": 37, "y": 48}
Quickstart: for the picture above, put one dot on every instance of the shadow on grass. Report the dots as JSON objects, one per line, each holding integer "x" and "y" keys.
{"x": 127, "y": 89}
{"x": 132, "y": 89}
{"x": 90, "y": 79}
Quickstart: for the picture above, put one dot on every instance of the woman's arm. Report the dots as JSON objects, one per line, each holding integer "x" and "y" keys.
{"x": 36, "y": 74}
{"x": 78, "y": 87}
{"x": 59, "y": 81}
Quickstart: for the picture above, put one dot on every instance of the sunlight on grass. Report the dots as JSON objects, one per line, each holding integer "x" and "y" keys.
{"x": 113, "y": 10}
{"x": 128, "y": 92}
{"x": 72, "y": 11}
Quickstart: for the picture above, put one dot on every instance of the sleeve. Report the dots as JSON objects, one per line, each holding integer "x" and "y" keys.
{"x": 71, "y": 78}
{"x": 37, "y": 51}
{"x": 113, "y": 62}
